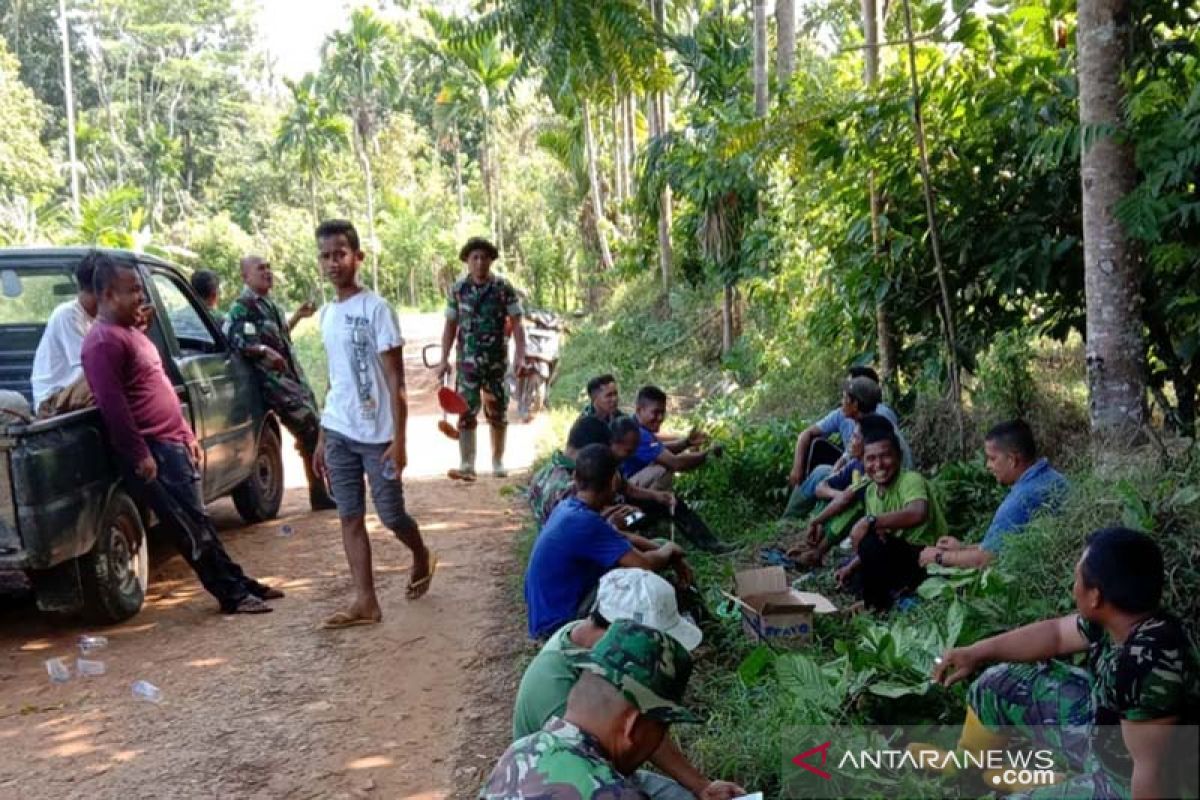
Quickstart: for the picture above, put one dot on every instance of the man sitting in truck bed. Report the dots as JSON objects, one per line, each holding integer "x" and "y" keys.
{"x": 155, "y": 446}
{"x": 57, "y": 378}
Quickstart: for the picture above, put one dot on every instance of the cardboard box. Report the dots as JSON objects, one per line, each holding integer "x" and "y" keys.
{"x": 773, "y": 610}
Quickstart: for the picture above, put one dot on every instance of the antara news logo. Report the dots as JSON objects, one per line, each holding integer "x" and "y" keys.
{"x": 931, "y": 760}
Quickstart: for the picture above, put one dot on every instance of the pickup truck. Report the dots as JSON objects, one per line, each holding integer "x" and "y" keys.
{"x": 66, "y": 520}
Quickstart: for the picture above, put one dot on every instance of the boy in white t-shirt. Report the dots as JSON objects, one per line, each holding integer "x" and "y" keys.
{"x": 364, "y": 422}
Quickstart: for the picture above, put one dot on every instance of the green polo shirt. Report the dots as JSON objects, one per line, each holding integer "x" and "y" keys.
{"x": 907, "y": 487}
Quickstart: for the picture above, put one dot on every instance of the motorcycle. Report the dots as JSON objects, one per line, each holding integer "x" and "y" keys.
{"x": 543, "y": 339}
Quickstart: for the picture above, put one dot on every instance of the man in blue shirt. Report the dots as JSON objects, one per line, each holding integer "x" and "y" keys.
{"x": 578, "y": 545}
{"x": 1036, "y": 486}
{"x": 861, "y": 396}
{"x": 654, "y": 464}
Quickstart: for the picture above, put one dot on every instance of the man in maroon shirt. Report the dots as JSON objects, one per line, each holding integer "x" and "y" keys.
{"x": 155, "y": 446}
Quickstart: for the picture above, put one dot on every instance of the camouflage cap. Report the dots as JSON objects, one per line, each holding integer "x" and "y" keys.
{"x": 649, "y": 667}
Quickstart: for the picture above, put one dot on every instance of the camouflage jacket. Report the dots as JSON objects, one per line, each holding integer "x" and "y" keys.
{"x": 254, "y": 320}
{"x": 559, "y": 762}
{"x": 550, "y": 485}
{"x": 480, "y": 312}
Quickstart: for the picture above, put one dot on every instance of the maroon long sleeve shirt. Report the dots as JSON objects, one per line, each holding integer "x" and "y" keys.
{"x": 132, "y": 391}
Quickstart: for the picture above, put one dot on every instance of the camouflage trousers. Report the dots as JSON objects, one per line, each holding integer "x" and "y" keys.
{"x": 1049, "y": 705}
{"x": 481, "y": 382}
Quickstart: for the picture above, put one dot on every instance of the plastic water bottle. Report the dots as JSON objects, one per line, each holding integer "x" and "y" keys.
{"x": 58, "y": 670}
{"x": 90, "y": 644}
{"x": 144, "y": 690}
{"x": 86, "y": 668}
{"x": 286, "y": 530}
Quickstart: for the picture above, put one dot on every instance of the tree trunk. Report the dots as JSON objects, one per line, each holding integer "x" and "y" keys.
{"x": 785, "y": 50}
{"x": 617, "y": 142}
{"x": 364, "y": 161}
{"x": 884, "y": 328}
{"x": 946, "y": 306}
{"x": 458, "y": 177}
{"x": 760, "y": 58}
{"x": 589, "y": 143}
{"x": 659, "y": 122}
{"x": 727, "y": 319}
{"x": 630, "y": 146}
{"x": 1115, "y": 349}
{"x": 316, "y": 215}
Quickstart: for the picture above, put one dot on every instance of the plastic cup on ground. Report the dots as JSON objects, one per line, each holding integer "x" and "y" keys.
{"x": 88, "y": 668}
{"x": 58, "y": 670}
{"x": 90, "y": 644}
{"x": 144, "y": 690}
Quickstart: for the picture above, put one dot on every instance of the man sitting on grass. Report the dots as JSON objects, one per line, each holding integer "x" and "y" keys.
{"x": 860, "y": 396}
{"x": 603, "y": 400}
{"x": 654, "y": 464}
{"x": 578, "y": 545}
{"x": 1035, "y": 486}
{"x": 624, "y": 594}
{"x": 556, "y": 480}
{"x": 617, "y": 716}
{"x": 842, "y": 494}
{"x": 901, "y": 512}
{"x": 1117, "y": 719}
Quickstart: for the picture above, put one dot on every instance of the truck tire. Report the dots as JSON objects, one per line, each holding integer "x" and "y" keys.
{"x": 115, "y": 573}
{"x": 259, "y": 497}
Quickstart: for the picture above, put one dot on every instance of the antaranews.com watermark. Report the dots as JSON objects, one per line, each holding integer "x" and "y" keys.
{"x": 927, "y": 761}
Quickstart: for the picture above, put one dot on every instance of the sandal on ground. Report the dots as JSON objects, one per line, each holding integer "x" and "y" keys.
{"x": 461, "y": 475}
{"x": 250, "y": 605}
{"x": 344, "y": 619}
{"x": 419, "y": 587}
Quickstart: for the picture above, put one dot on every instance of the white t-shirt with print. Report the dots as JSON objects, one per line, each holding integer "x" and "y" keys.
{"x": 58, "y": 363}
{"x": 355, "y": 331}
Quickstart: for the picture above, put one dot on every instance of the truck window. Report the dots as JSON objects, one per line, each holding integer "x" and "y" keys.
{"x": 191, "y": 331}
{"x": 28, "y": 296}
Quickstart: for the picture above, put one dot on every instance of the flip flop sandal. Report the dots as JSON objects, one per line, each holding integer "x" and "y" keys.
{"x": 343, "y": 620}
{"x": 459, "y": 475}
{"x": 417, "y": 589}
{"x": 447, "y": 429}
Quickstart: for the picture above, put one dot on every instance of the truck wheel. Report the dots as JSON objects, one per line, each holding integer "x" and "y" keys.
{"x": 259, "y": 497}
{"x": 115, "y": 573}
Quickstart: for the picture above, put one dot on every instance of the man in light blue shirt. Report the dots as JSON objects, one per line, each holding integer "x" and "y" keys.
{"x": 861, "y": 396}
{"x": 1035, "y": 487}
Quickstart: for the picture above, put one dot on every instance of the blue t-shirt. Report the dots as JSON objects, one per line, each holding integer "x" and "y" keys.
{"x": 647, "y": 452}
{"x": 1041, "y": 487}
{"x": 840, "y": 481}
{"x": 575, "y": 548}
{"x": 837, "y": 422}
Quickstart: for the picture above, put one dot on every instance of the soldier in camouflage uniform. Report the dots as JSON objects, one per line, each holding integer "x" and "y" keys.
{"x": 255, "y": 326}
{"x": 478, "y": 307}
{"x": 632, "y": 672}
{"x": 1139, "y": 670}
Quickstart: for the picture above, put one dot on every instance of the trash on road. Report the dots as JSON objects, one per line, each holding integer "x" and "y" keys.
{"x": 58, "y": 670}
{"x": 144, "y": 690}
{"x": 286, "y": 530}
{"x": 87, "y": 668}
{"x": 90, "y": 644}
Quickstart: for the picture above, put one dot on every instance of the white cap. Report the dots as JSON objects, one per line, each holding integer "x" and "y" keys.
{"x": 647, "y": 599}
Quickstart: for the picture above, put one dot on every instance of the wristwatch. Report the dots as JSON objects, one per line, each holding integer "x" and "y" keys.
{"x": 870, "y": 518}
{"x": 938, "y": 558}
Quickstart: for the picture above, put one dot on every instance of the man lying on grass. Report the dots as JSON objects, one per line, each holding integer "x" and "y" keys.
{"x": 624, "y": 594}
{"x": 578, "y": 545}
{"x": 1035, "y": 487}
{"x": 1115, "y": 720}
{"x": 901, "y": 512}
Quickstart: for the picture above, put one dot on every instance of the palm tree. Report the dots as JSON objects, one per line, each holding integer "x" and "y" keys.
{"x": 361, "y": 72}
{"x": 309, "y": 133}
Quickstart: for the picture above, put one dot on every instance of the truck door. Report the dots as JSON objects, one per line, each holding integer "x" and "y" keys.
{"x": 223, "y": 415}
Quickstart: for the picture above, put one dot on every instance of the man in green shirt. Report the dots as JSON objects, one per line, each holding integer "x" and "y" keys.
{"x": 901, "y": 514}
{"x": 1119, "y": 721}
{"x": 257, "y": 328}
{"x": 624, "y": 594}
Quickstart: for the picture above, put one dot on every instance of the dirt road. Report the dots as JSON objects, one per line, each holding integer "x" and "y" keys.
{"x": 271, "y": 706}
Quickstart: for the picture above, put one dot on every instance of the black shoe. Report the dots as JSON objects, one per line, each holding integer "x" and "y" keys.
{"x": 319, "y": 500}
{"x": 250, "y": 605}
